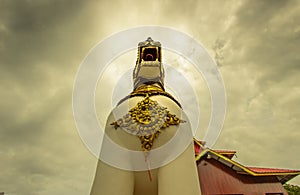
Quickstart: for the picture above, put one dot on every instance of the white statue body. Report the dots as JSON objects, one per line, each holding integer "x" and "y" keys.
{"x": 177, "y": 175}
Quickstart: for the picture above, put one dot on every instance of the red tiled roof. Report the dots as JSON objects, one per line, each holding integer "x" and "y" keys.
{"x": 225, "y": 151}
{"x": 198, "y": 147}
{"x": 271, "y": 170}
{"x": 228, "y": 153}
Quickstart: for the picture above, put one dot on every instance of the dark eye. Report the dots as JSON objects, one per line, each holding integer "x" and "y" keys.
{"x": 150, "y": 54}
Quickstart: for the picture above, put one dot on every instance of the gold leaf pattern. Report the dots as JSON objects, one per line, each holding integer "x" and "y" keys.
{"x": 146, "y": 120}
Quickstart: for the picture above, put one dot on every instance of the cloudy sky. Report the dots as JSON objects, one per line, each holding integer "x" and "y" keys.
{"x": 42, "y": 43}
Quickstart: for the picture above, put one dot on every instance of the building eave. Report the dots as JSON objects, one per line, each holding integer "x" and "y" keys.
{"x": 283, "y": 176}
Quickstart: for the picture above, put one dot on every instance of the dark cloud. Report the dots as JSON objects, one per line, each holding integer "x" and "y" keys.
{"x": 260, "y": 54}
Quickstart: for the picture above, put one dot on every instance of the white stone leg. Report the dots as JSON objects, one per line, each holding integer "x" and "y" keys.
{"x": 112, "y": 181}
{"x": 180, "y": 176}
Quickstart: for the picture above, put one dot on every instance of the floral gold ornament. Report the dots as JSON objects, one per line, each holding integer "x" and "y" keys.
{"x": 146, "y": 120}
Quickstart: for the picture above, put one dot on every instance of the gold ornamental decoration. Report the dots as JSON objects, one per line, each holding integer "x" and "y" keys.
{"x": 146, "y": 120}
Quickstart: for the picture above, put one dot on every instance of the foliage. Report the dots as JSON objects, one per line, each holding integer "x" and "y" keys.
{"x": 292, "y": 189}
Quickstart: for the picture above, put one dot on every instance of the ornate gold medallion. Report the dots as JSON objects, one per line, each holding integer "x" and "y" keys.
{"x": 146, "y": 120}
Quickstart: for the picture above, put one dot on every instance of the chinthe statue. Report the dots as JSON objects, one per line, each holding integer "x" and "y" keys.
{"x": 148, "y": 119}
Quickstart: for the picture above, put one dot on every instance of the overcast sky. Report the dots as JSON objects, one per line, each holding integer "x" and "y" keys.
{"x": 42, "y": 43}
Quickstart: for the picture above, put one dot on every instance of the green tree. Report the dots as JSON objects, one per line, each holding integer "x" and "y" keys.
{"x": 292, "y": 189}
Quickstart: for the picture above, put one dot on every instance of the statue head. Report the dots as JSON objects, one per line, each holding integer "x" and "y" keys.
{"x": 148, "y": 68}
